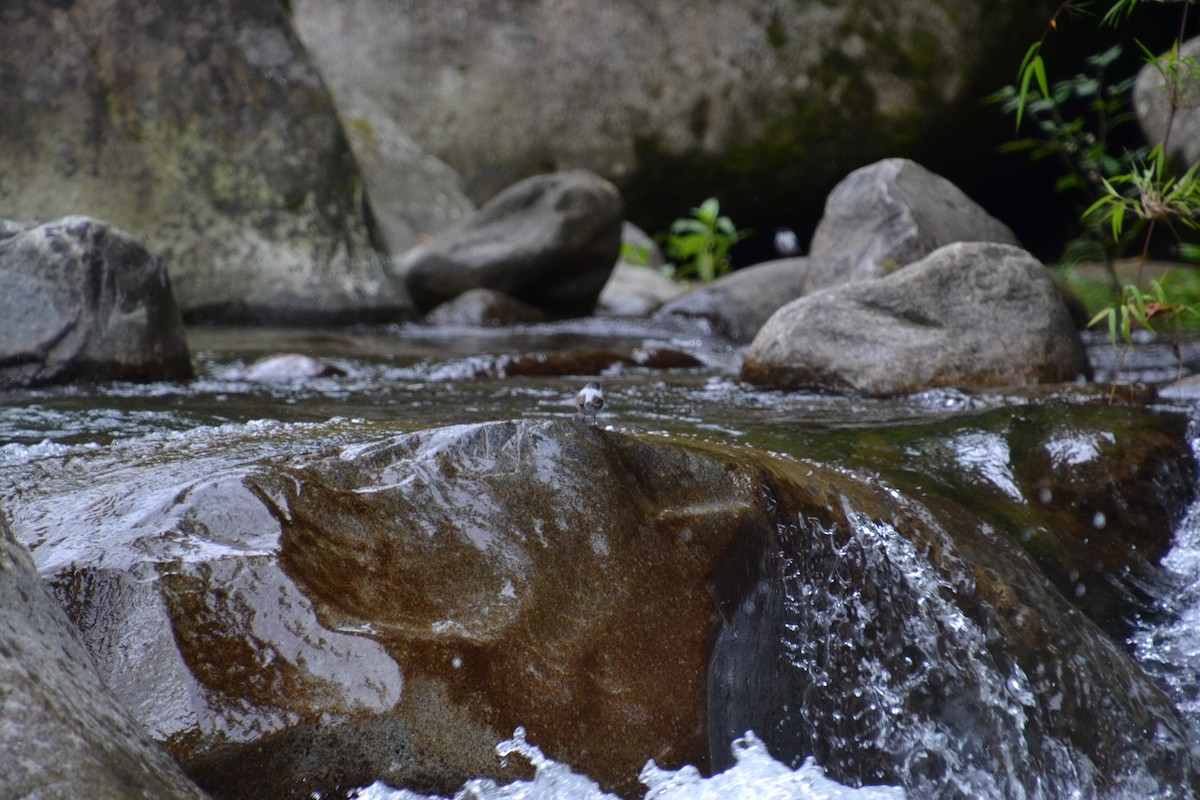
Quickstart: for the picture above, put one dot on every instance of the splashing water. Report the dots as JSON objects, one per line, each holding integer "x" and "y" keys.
{"x": 754, "y": 776}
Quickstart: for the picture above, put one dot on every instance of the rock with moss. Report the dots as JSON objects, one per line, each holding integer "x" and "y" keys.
{"x": 769, "y": 103}
{"x": 971, "y": 314}
{"x": 887, "y": 215}
{"x": 84, "y": 301}
{"x": 205, "y": 131}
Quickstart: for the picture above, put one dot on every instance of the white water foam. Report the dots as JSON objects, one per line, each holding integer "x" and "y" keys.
{"x": 754, "y": 776}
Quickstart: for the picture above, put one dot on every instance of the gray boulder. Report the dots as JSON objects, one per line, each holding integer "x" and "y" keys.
{"x": 889, "y": 214}
{"x": 671, "y": 99}
{"x": 84, "y": 301}
{"x": 968, "y": 315}
{"x": 549, "y": 241}
{"x": 62, "y": 733}
{"x": 737, "y": 305}
{"x": 1152, "y": 103}
{"x": 634, "y": 291}
{"x": 204, "y": 130}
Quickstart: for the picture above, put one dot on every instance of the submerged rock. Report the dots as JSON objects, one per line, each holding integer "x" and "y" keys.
{"x": 62, "y": 733}
{"x": 887, "y": 215}
{"x": 84, "y": 301}
{"x": 737, "y": 305}
{"x": 968, "y": 315}
{"x": 307, "y": 608}
{"x": 549, "y": 241}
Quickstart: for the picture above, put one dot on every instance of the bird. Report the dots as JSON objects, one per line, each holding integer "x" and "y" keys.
{"x": 786, "y": 243}
{"x": 589, "y": 401}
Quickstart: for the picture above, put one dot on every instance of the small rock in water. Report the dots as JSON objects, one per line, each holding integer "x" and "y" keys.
{"x": 289, "y": 367}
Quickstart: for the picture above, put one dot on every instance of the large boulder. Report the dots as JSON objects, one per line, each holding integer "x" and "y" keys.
{"x": 767, "y": 104}
{"x": 1153, "y": 100}
{"x": 62, "y": 733}
{"x": 968, "y": 315}
{"x": 204, "y": 130}
{"x": 84, "y": 301}
{"x": 549, "y": 241}
{"x": 299, "y": 609}
{"x": 737, "y": 305}
{"x": 889, "y": 214}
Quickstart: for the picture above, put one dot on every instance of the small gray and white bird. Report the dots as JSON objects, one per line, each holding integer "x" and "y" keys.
{"x": 589, "y": 401}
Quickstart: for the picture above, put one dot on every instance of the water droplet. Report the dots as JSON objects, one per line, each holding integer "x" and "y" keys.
{"x": 1099, "y": 521}
{"x": 1045, "y": 495}
{"x": 1080, "y": 590}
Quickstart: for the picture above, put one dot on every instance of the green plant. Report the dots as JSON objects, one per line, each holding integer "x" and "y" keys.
{"x": 1130, "y": 195}
{"x": 699, "y": 245}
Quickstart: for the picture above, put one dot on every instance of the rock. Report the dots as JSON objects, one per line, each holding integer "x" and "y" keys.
{"x": 889, "y": 214}
{"x": 203, "y": 130}
{"x": 1185, "y": 390}
{"x": 550, "y": 241}
{"x": 636, "y": 291}
{"x": 968, "y": 315}
{"x": 737, "y": 305}
{"x": 62, "y": 734}
{"x": 84, "y": 301}
{"x": 307, "y": 608}
{"x": 636, "y": 287}
{"x": 412, "y": 195}
{"x": 761, "y": 103}
{"x": 901, "y": 641}
{"x": 481, "y": 308}
{"x": 1150, "y": 100}
{"x": 286, "y": 368}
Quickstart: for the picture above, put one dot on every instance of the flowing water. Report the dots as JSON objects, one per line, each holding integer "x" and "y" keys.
{"x": 656, "y": 380}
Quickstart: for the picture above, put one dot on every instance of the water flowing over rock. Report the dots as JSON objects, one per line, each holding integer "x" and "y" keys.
{"x": 968, "y": 315}
{"x": 737, "y": 305}
{"x": 772, "y": 101}
{"x": 205, "y": 131}
{"x": 62, "y": 734}
{"x": 84, "y": 301}
{"x": 890, "y": 214}
{"x": 311, "y": 607}
{"x": 550, "y": 241}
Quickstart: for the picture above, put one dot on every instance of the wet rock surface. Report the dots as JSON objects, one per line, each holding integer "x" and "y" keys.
{"x": 299, "y": 608}
{"x": 62, "y": 732}
{"x": 968, "y": 315}
{"x": 84, "y": 301}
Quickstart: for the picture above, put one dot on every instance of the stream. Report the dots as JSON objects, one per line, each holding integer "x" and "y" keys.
{"x": 659, "y": 382}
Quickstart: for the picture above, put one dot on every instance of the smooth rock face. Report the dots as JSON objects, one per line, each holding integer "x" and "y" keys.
{"x": 1151, "y": 101}
{"x": 889, "y": 214}
{"x": 737, "y": 305}
{"x": 664, "y": 98}
{"x": 62, "y": 734}
{"x": 204, "y": 130}
{"x": 968, "y": 315}
{"x": 83, "y": 301}
{"x": 550, "y": 241}
{"x": 307, "y": 608}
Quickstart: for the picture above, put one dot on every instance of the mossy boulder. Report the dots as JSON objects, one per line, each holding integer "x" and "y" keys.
{"x": 203, "y": 130}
